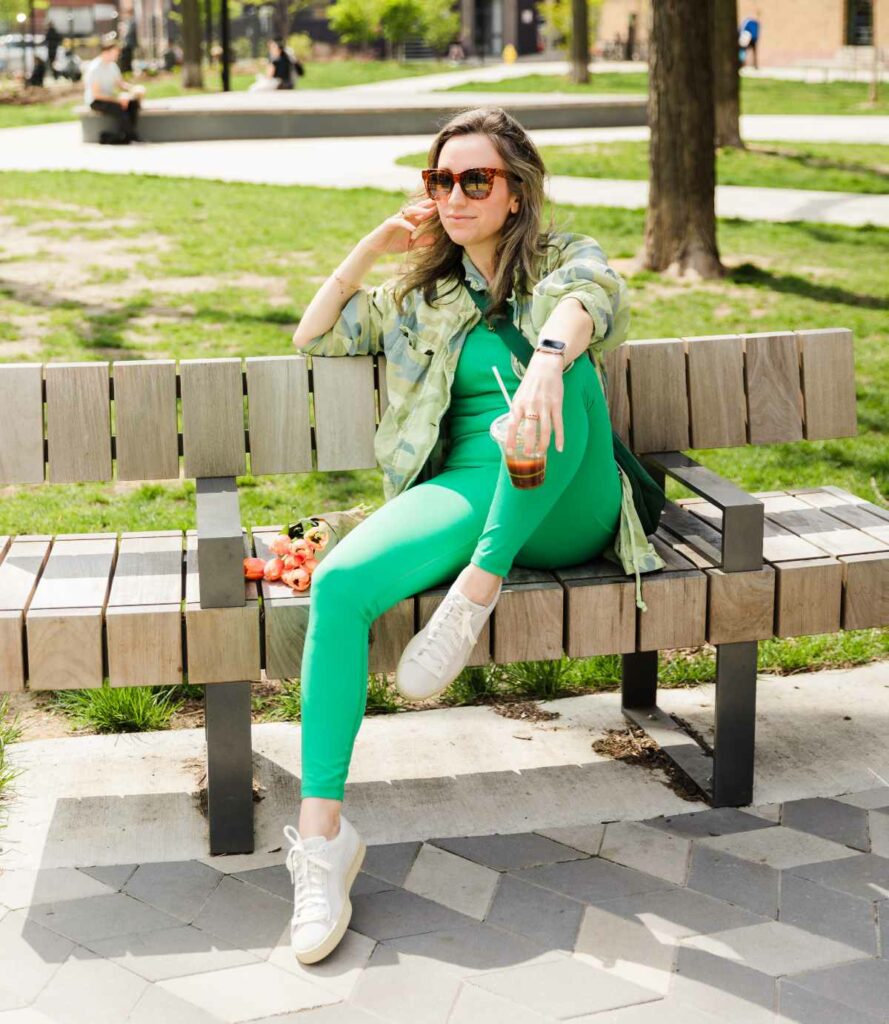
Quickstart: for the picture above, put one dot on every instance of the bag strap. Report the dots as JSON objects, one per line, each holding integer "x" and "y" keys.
{"x": 506, "y": 329}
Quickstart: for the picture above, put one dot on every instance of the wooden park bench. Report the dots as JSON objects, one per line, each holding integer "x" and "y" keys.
{"x": 165, "y": 607}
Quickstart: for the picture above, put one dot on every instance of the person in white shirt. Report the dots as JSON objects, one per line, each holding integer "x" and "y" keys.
{"x": 103, "y": 92}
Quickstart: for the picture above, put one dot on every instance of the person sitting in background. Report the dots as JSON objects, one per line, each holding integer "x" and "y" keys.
{"x": 38, "y": 72}
{"x": 102, "y": 92}
{"x": 279, "y": 71}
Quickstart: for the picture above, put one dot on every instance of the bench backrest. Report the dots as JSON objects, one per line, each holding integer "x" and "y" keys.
{"x": 664, "y": 394}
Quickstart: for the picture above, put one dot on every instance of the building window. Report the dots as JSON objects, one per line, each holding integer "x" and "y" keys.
{"x": 859, "y": 22}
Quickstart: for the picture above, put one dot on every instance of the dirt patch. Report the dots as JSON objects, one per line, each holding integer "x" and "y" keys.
{"x": 634, "y": 746}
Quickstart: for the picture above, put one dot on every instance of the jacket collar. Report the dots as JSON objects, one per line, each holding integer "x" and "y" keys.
{"x": 477, "y": 280}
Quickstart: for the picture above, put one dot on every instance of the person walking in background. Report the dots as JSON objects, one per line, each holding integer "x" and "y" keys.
{"x": 53, "y": 39}
{"x": 748, "y": 35}
{"x": 102, "y": 92}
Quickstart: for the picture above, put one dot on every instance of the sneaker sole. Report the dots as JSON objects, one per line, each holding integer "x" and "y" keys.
{"x": 327, "y": 946}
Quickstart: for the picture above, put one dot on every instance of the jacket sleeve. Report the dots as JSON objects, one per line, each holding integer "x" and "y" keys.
{"x": 583, "y": 273}
{"x": 358, "y": 331}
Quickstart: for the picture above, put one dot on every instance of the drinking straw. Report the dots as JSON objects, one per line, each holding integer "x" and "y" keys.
{"x": 502, "y": 387}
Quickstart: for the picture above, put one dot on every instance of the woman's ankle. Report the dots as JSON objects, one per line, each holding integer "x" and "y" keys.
{"x": 319, "y": 817}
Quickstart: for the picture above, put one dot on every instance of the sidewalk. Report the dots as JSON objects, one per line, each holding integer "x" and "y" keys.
{"x": 512, "y": 875}
{"x": 369, "y": 162}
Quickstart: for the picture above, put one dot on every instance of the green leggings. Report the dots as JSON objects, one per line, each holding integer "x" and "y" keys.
{"x": 425, "y": 535}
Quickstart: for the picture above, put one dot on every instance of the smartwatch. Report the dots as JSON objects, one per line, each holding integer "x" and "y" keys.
{"x": 551, "y": 345}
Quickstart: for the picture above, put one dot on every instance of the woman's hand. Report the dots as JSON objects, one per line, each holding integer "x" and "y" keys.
{"x": 396, "y": 233}
{"x": 540, "y": 391}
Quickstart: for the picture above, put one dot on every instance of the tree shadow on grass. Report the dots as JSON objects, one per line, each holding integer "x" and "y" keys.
{"x": 804, "y": 287}
{"x": 822, "y": 163}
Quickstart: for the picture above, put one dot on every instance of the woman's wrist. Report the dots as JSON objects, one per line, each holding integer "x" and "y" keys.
{"x": 555, "y": 361}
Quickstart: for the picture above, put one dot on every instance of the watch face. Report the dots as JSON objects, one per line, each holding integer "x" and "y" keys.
{"x": 552, "y": 344}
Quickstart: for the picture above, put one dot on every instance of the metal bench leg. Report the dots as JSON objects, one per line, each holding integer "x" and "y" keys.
{"x": 229, "y": 767}
{"x": 735, "y": 724}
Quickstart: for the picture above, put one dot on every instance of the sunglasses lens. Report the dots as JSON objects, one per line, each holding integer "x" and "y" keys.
{"x": 439, "y": 184}
{"x": 476, "y": 185}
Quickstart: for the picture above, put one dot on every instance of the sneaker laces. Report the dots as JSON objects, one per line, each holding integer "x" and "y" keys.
{"x": 306, "y": 869}
{"x": 447, "y": 629}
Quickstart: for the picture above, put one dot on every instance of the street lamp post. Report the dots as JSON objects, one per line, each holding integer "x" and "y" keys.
{"x": 223, "y": 32}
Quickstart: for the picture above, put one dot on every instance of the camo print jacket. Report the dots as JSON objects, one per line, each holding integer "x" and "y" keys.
{"x": 422, "y": 346}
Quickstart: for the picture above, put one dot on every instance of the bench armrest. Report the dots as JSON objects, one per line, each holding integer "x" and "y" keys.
{"x": 743, "y": 515}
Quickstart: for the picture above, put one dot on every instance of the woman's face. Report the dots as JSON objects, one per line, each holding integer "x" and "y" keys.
{"x": 472, "y": 221}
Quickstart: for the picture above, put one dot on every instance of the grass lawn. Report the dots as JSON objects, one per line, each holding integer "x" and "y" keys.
{"x": 802, "y": 165}
{"x": 758, "y": 95}
{"x": 319, "y": 75}
{"x": 107, "y": 267}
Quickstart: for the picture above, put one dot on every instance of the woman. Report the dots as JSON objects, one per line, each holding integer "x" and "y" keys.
{"x": 451, "y": 514}
{"x": 278, "y": 72}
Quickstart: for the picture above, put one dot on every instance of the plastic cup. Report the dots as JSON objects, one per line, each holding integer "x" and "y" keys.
{"x": 527, "y": 469}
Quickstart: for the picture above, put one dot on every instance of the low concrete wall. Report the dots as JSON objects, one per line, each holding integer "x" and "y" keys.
{"x": 200, "y": 125}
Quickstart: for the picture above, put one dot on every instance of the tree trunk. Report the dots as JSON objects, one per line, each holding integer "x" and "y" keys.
{"x": 680, "y": 225}
{"x": 580, "y": 46}
{"x": 282, "y": 19}
{"x": 192, "y": 75}
{"x": 726, "y": 80}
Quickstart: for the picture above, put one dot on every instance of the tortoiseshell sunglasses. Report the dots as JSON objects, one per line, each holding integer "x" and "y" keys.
{"x": 476, "y": 182}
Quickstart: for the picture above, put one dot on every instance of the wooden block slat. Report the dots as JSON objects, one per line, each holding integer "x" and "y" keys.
{"x": 618, "y": 391}
{"x": 78, "y": 422}
{"x": 345, "y": 418}
{"x": 20, "y": 568}
{"x": 212, "y": 417}
{"x": 64, "y": 619}
{"x": 658, "y": 395}
{"x": 600, "y": 608}
{"x": 774, "y": 396}
{"x": 828, "y": 375}
{"x": 865, "y": 591}
{"x": 21, "y": 423}
{"x": 826, "y": 532}
{"x": 143, "y": 618}
{"x": 808, "y": 597}
{"x": 860, "y": 518}
{"x": 390, "y": 633}
{"x": 716, "y": 368}
{"x": 222, "y": 644}
{"x": 145, "y": 418}
{"x": 677, "y": 602}
{"x": 278, "y": 414}
{"x": 528, "y": 617}
{"x": 285, "y": 613}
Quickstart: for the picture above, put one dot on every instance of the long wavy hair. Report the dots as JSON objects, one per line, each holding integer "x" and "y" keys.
{"x": 522, "y": 242}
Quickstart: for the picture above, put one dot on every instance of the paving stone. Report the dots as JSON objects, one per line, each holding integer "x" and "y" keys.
{"x": 365, "y": 884}
{"x": 244, "y": 916}
{"x": 179, "y": 888}
{"x": 157, "y": 1005}
{"x": 509, "y": 852}
{"x": 655, "y": 851}
{"x": 562, "y": 988}
{"x": 715, "y": 821}
{"x": 864, "y": 874}
{"x": 98, "y": 917}
{"x": 475, "y": 1005}
{"x": 798, "y": 1004}
{"x": 390, "y": 861}
{"x": 883, "y": 925}
{"x": 540, "y": 914}
{"x": 878, "y": 796}
{"x": 170, "y": 952}
{"x": 402, "y": 988}
{"x": 742, "y": 882}
{"x": 30, "y": 955}
{"x": 777, "y": 846}
{"x": 338, "y": 972}
{"x": 660, "y": 1011}
{"x": 862, "y": 986}
{"x": 232, "y": 863}
{"x": 625, "y": 948}
{"x": 9, "y": 1000}
{"x": 772, "y": 812}
{"x": 25, "y": 1015}
{"x": 113, "y": 875}
{"x": 828, "y": 912}
{"x": 385, "y": 915}
{"x": 474, "y": 948}
{"x": 586, "y": 838}
{"x": 275, "y": 878}
{"x": 593, "y": 879}
{"x": 452, "y": 881}
{"x": 772, "y": 947}
{"x": 726, "y": 988}
{"x": 878, "y": 829}
{"x": 88, "y": 989}
{"x": 337, "y": 1014}
{"x": 830, "y": 819}
{"x": 25, "y": 887}
{"x": 244, "y": 993}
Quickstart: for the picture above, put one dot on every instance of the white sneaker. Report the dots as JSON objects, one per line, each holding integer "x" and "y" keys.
{"x": 322, "y": 871}
{"x": 437, "y": 654}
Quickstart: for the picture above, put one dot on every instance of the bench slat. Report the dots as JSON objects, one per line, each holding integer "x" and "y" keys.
{"x": 21, "y": 423}
{"x": 658, "y": 395}
{"x": 278, "y": 411}
{"x": 146, "y": 422}
{"x": 774, "y": 396}
{"x": 143, "y": 619}
{"x": 528, "y": 617}
{"x": 677, "y": 602}
{"x": 78, "y": 422}
{"x": 213, "y": 440}
{"x": 21, "y": 563}
{"x": 345, "y": 415}
{"x": 716, "y": 367}
{"x": 285, "y": 615}
{"x": 618, "y": 391}
{"x": 828, "y": 369}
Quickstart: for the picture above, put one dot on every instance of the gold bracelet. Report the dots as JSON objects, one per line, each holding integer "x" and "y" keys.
{"x": 348, "y": 284}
